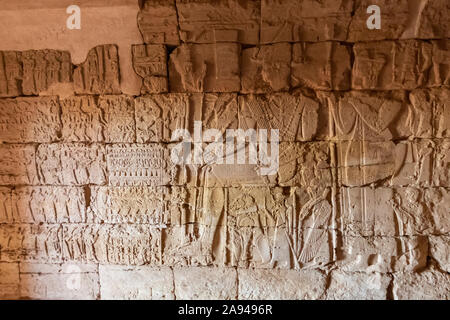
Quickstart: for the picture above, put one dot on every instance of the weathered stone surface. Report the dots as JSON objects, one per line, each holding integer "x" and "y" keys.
{"x": 119, "y": 112}
{"x": 58, "y": 282}
{"x": 99, "y": 74}
{"x": 321, "y": 66}
{"x": 146, "y": 205}
{"x": 158, "y": 22}
{"x": 107, "y": 119}
{"x": 437, "y": 102}
{"x": 5, "y": 205}
{"x": 382, "y": 254}
{"x": 305, "y": 20}
{"x": 358, "y": 286}
{"x": 383, "y": 116}
{"x": 433, "y": 22}
{"x": 198, "y": 283}
{"x": 44, "y": 68}
{"x": 205, "y": 68}
{"x": 440, "y": 251}
{"x": 47, "y": 205}
{"x": 440, "y": 72}
{"x": 221, "y": 21}
{"x": 124, "y": 244}
{"x": 17, "y": 164}
{"x": 388, "y": 65}
{"x": 257, "y": 284}
{"x": 11, "y": 73}
{"x": 29, "y": 120}
{"x": 9, "y": 280}
{"x": 137, "y": 283}
{"x": 266, "y": 68}
{"x": 430, "y": 284}
{"x": 71, "y": 164}
{"x": 395, "y": 19}
{"x": 295, "y": 116}
{"x": 404, "y": 211}
{"x": 139, "y": 165}
{"x": 31, "y": 242}
{"x": 150, "y": 63}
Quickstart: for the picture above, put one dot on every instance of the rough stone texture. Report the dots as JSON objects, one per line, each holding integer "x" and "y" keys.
{"x": 280, "y": 284}
{"x": 427, "y": 285}
{"x": 143, "y": 283}
{"x": 132, "y": 174}
{"x": 205, "y": 68}
{"x": 25, "y": 120}
{"x": 358, "y": 286}
{"x": 205, "y": 283}
{"x": 99, "y": 74}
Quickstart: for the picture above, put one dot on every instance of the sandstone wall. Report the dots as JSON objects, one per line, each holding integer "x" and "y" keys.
{"x": 92, "y": 207}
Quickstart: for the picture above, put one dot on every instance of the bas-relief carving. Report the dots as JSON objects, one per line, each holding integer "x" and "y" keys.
{"x": 71, "y": 164}
{"x": 25, "y": 120}
{"x": 99, "y": 74}
{"x": 321, "y": 66}
{"x": 17, "y": 164}
{"x": 150, "y": 63}
{"x": 295, "y": 116}
{"x": 31, "y": 242}
{"x": 158, "y": 22}
{"x": 221, "y": 21}
{"x": 11, "y": 73}
{"x": 306, "y": 20}
{"x": 205, "y": 68}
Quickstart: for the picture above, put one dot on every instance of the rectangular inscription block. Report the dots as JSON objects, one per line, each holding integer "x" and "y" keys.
{"x": 29, "y": 120}
{"x": 150, "y": 63}
{"x": 125, "y": 244}
{"x": 118, "y": 118}
{"x": 138, "y": 165}
{"x": 5, "y": 205}
{"x": 71, "y": 164}
{"x": 48, "y": 205}
{"x": 11, "y": 72}
{"x": 17, "y": 165}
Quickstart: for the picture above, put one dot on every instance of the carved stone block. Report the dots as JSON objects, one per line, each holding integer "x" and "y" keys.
{"x": 59, "y": 282}
{"x": 306, "y": 20}
{"x": 99, "y": 74}
{"x": 31, "y": 242}
{"x": 158, "y": 22}
{"x": 393, "y": 212}
{"x": 139, "y": 165}
{"x": 389, "y": 65}
{"x": 9, "y": 280}
{"x": 17, "y": 164}
{"x": 196, "y": 283}
{"x": 25, "y": 120}
{"x": 295, "y": 116}
{"x": 43, "y": 68}
{"x": 358, "y": 286}
{"x": 395, "y": 19}
{"x": 433, "y": 20}
{"x": 255, "y": 284}
{"x": 5, "y": 205}
{"x": 321, "y": 66}
{"x": 437, "y": 102}
{"x": 305, "y": 164}
{"x": 150, "y": 63}
{"x": 138, "y": 205}
{"x": 221, "y": 21}
{"x": 266, "y": 68}
{"x": 11, "y": 73}
{"x": 382, "y": 254}
{"x": 71, "y": 164}
{"x": 440, "y": 72}
{"x": 440, "y": 251}
{"x": 205, "y": 68}
{"x": 137, "y": 283}
{"x": 124, "y": 244}
{"x": 119, "y": 118}
{"x": 430, "y": 284}
{"x": 48, "y": 205}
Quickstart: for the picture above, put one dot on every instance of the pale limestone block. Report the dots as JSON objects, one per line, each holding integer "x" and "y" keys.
{"x": 430, "y": 284}
{"x": 358, "y": 286}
